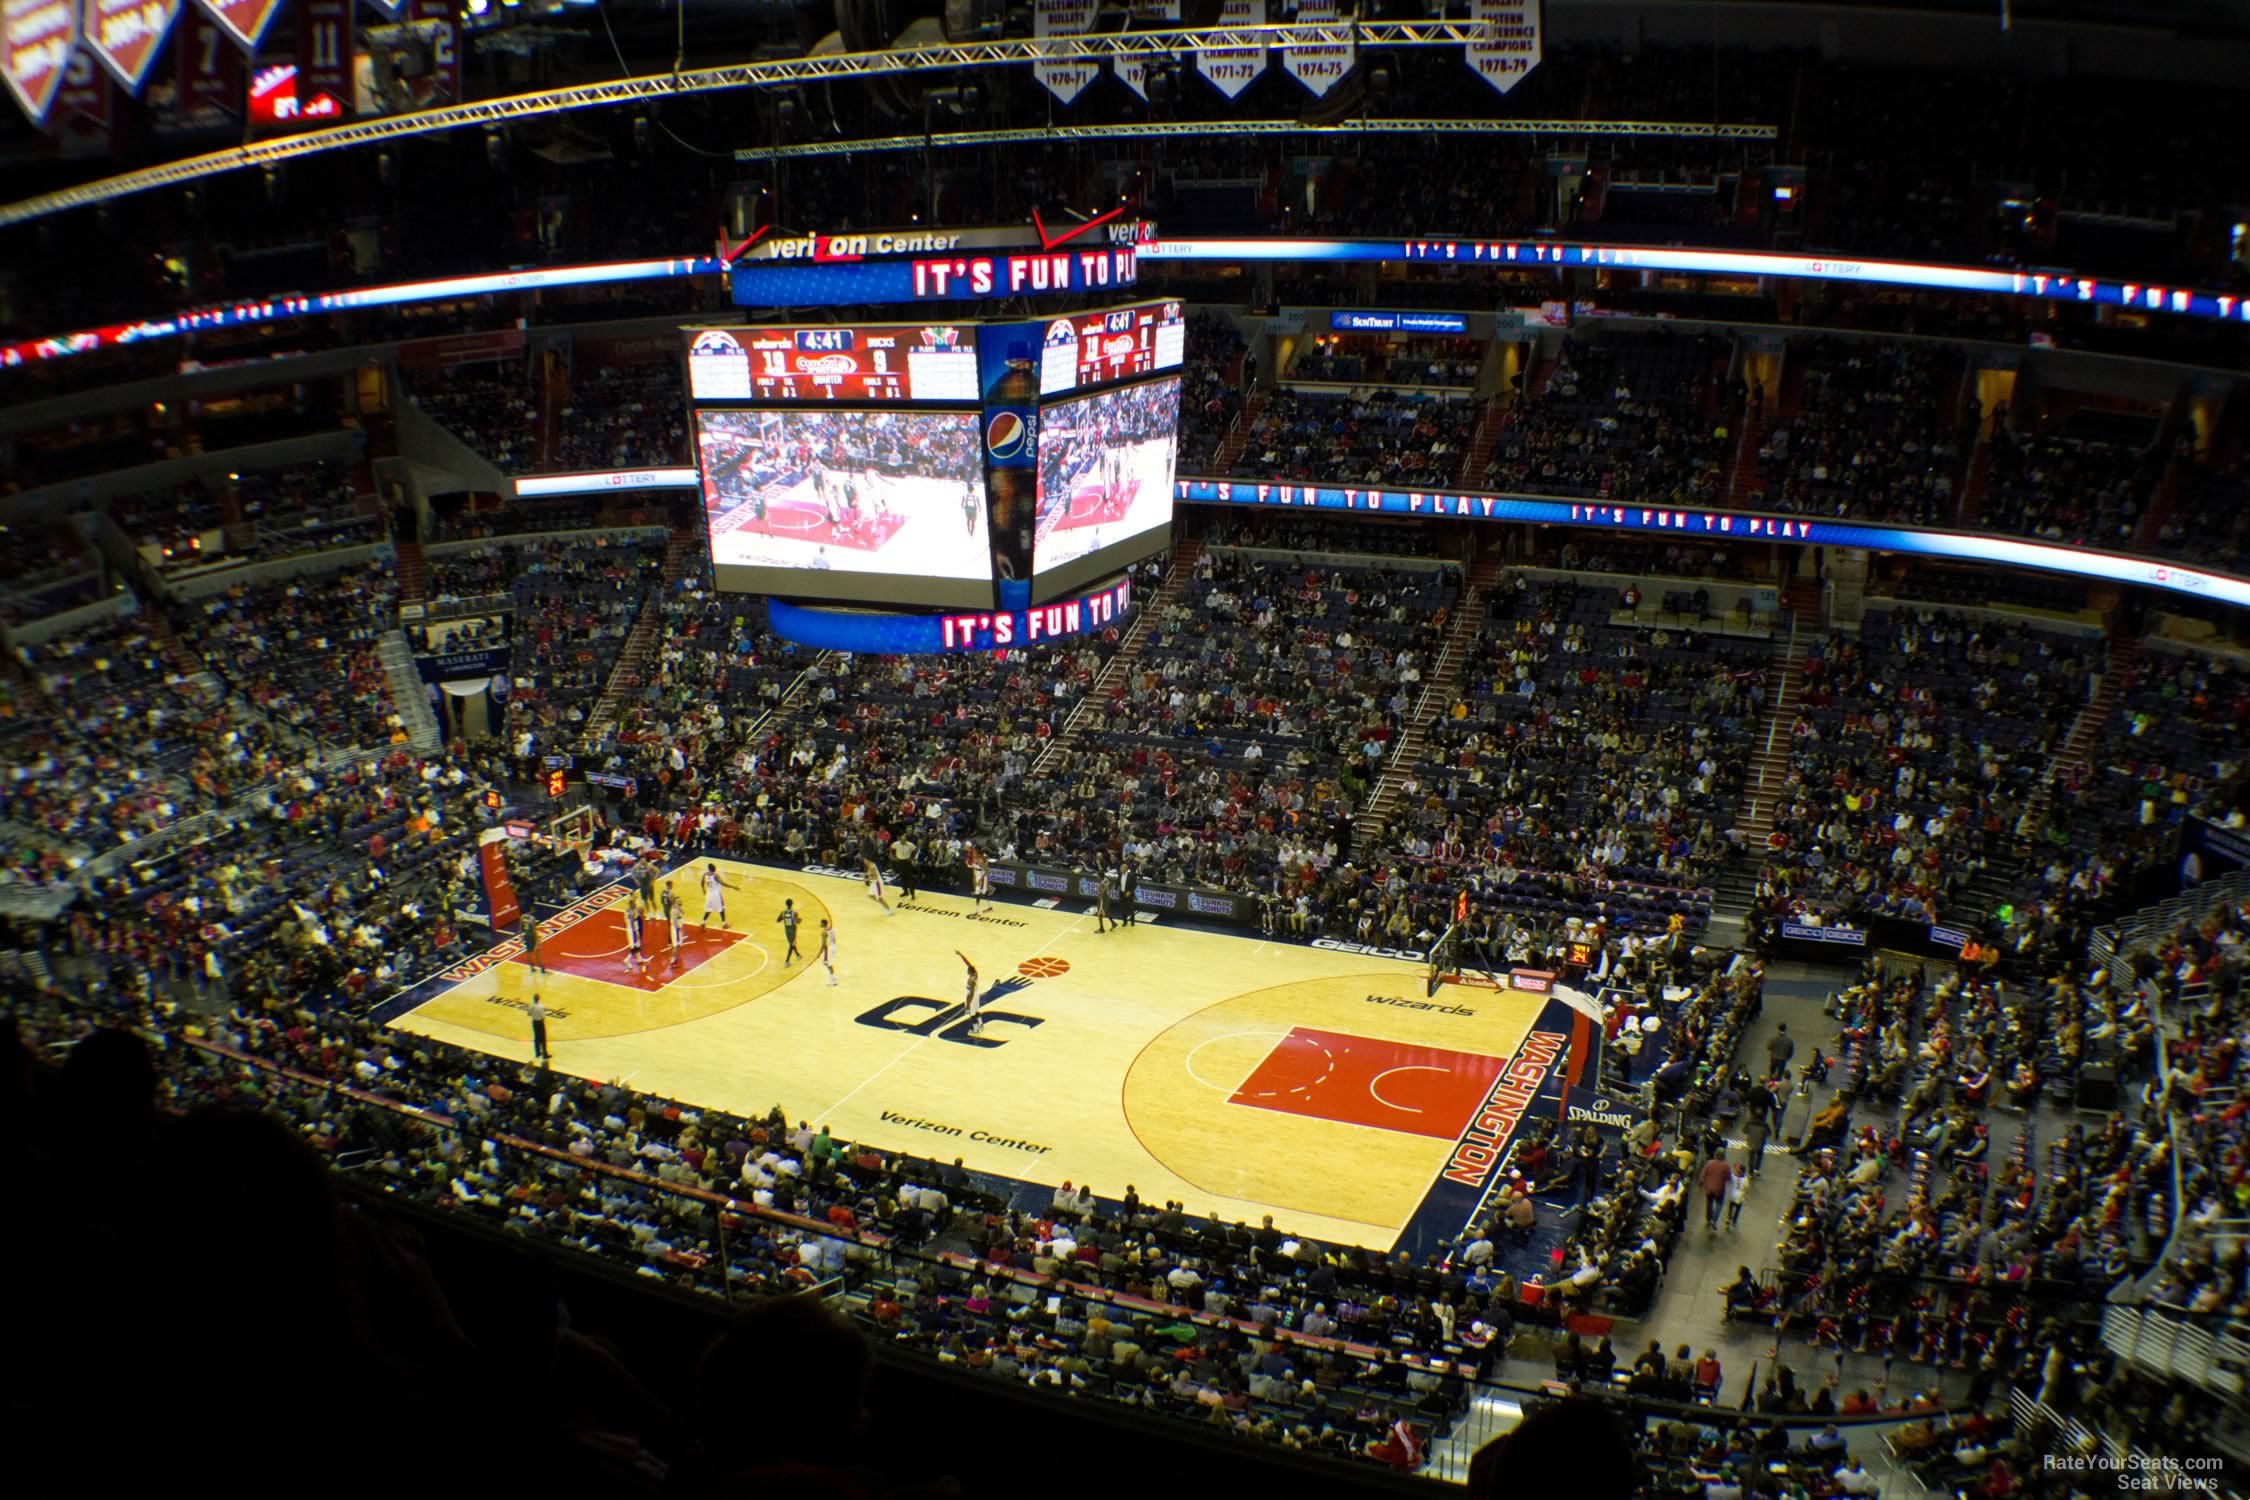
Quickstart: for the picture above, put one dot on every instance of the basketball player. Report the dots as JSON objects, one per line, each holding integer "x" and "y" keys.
{"x": 980, "y": 879}
{"x": 789, "y": 919}
{"x": 1102, "y": 919}
{"x": 875, "y": 884}
{"x": 828, "y": 949}
{"x": 675, "y": 918}
{"x": 633, "y": 958}
{"x": 715, "y": 887}
{"x": 531, "y": 955}
{"x": 969, "y": 1002}
{"x": 969, "y": 509}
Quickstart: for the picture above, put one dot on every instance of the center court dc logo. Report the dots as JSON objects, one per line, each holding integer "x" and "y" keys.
{"x": 1006, "y": 435}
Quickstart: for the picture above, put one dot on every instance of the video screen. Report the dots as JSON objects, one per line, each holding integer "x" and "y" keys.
{"x": 875, "y": 506}
{"x": 1105, "y": 483}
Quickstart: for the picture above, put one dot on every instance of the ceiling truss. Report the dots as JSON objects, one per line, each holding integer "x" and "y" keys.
{"x": 1173, "y": 129}
{"x": 777, "y": 73}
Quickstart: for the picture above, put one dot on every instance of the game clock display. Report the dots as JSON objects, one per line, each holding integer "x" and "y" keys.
{"x": 1118, "y": 343}
{"x": 840, "y": 364}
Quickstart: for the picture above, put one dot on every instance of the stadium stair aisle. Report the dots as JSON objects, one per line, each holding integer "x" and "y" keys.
{"x": 2075, "y": 762}
{"x": 2160, "y": 507}
{"x": 1176, "y": 574}
{"x": 1489, "y": 424}
{"x": 183, "y": 661}
{"x": 1769, "y": 753}
{"x": 413, "y": 573}
{"x": 1437, "y": 696}
{"x": 1974, "y": 487}
{"x": 1238, "y": 436}
{"x": 1743, "y": 479}
{"x": 408, "y": 691}
{"x": 641, "y": 644}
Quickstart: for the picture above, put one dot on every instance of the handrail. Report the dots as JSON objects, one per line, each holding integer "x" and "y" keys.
{"x": 2114, "y": 943}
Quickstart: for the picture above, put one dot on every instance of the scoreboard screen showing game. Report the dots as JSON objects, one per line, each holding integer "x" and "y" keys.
{"x": 840, "y": 364}
{"x": 1105, "y": 483}
{"x": 1118, "y": 343}
{"x": 874, "y": 506}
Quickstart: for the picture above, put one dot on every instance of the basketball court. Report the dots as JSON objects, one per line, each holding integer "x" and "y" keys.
{"x": 1240, "y": 1076}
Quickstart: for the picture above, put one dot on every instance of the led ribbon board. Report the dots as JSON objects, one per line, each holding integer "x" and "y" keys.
{"x": 2144, "y": 572}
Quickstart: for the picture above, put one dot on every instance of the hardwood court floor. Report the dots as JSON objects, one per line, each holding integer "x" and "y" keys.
{"x": 1239, "y": 1076}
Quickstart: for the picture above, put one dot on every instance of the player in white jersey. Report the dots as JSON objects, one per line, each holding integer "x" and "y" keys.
{"x": 715, "y": 887}
{"x": 969, "y": 1002}
{"x": 875, "y": 884}
{"x": 633, "y": 956}
{"x": 828, "y": 949}
{"x": 980, "y": 879}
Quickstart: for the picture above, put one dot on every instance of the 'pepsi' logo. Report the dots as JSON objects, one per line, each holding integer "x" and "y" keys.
{"x": 1005, "y": 434}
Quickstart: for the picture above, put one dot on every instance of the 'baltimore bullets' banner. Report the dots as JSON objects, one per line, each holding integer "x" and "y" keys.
{"x": 124, "y": 35}
{"x": 1065, "y": 80}
{"x": 35, "y": 41}
{"x": 1510, "y": 48}
{"x": 1318, "y": 68}
{"x": 1230, "y": 70}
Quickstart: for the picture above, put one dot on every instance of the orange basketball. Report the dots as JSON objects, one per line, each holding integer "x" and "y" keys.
{"x": 1043, "y": 968}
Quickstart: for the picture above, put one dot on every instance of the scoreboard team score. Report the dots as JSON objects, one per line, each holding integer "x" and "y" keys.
{"x": 832, "y": 364}
{"x": 1098, "y": 347}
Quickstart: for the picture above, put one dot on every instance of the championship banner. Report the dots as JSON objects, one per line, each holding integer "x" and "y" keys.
{"x": 1511, "y": 46}
{"x": 244, "y": 20}
{"x": 500, "y": 905}
{"x": 124, "y": 35}
{"x": 1230, "y": 70}
{"x": 1065, "y": 80}
{"x": 325, "y": 81}
{"x": 1133, "y": 71}
{"x": 1319, "y": 68}
{"x": 35, "y": 41}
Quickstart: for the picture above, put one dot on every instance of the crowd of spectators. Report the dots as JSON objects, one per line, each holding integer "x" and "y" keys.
{"x": 1348, "y": 360}
{"x": 108, "y": 740}
{"x": 492, "y": 408}
{"x": 1872, "y": 439}
{"x": 173, "y": 525}
{"x": 45, "y": 569}
{"x": 576, "y": 604}
{"x": 623, "y": 417}
{"x": 1914, "y": 756}
{"x": 302, "y": 651}
{"x": 1992, "y": 1158}
{"x": 2210, "y": 517}
{"x": 2091, "y": 491}
{"x": 1216, "y": 374}
{"x": 1371, "y": 437}
{"x": 1625, "y": 417}
{"x": 1279, "y": 531}
{"x": 1930, "y": 583}
{"x": 716, "y": 673}
{"x": 1581, "y": 776}
{"x": 1256, "y": 717}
